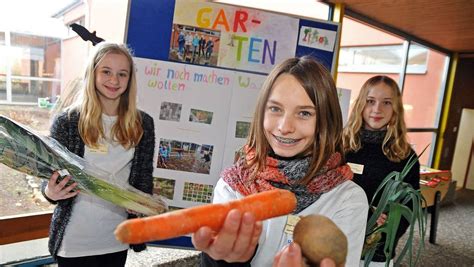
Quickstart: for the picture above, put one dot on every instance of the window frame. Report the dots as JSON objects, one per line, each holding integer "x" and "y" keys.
{"x": 378, "y": 68}
{"x": 409, "y": 39}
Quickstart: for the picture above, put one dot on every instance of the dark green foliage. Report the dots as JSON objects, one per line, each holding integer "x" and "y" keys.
{"x": 398, "y": 200}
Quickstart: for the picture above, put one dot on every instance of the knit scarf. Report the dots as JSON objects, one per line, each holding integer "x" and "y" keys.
{"x": 372, "y": 137}
{"x": 285, "y": 174}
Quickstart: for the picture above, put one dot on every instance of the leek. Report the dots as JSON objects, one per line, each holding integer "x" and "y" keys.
{"x": 25, "y": 151}
{"x": 395, "y": 194}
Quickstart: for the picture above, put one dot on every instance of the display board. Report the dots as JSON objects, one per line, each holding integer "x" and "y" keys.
{"x": 202, "y": 116}
{"x": 200, "y": 66}
{"x": 240, "y": 38}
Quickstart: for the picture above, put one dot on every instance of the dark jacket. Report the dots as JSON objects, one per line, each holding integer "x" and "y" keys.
{"x": 376, "y": 167}
{"x": 66, "y": 131}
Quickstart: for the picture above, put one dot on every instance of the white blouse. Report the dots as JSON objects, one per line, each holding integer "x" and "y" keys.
{"x": 346, "y": 205}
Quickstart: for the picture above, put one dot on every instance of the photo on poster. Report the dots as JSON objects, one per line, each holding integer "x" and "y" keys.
{"x": 198, "y": 192}
{"x": 164, "y": 187}
{"x": 242, "y": 129}
{"x": 194, "y": 45}
{"x": 317, "y": 38}
{"x": 184, "y": 156}
{"x": 170, "y": 111}
{"x": 200, "y": 116}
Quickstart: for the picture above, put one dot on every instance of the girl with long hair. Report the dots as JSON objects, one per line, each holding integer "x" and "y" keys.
{"x": 104, "y": 127}
{"x": 295, "y": 143}
{"x": 375, "y": 143}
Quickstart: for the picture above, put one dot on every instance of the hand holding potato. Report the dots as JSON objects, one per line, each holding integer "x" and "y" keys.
{"x": 291, "y": 256}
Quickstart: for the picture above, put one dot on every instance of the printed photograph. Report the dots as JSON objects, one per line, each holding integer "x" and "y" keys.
{"x": 242, "y": 129}
{"x": 184, "y": 156}
{"x": 198, "y": 192}
{"x": 170, "y": 111}
{"x": 200, "y": 116}
{"x": 163, "y": 187}
{"x": 194, "y": 45}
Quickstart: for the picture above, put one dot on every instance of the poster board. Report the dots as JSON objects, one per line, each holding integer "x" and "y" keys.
{"x": 202, "y": 100}
{"x": 243, "y": 39}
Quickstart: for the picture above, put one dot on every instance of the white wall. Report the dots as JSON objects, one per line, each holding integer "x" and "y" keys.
{"x": 470, "y": 175}
{"x": 463, "y": 149}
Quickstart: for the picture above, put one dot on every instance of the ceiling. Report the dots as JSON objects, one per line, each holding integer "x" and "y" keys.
{"x": 447, "y": 24}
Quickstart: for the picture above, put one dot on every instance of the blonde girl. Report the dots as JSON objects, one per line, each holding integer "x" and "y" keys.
{"x": 104, "y": 127}
{"x": 375, "y": 143}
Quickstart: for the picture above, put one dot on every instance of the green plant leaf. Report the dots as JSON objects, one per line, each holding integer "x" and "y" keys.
{"x": 399, "y": 200}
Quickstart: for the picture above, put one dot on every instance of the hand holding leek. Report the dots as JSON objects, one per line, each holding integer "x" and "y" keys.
{"x": 60, "y": 190}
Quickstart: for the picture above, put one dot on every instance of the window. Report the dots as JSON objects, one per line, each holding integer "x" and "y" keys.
{"x": 423, "y": 94}
{"x": 28, "y": 91}
{"x": 29, "y": 70}
{"x": 382, "y": 53}
{"x": 3, "y": 88}
{"x": 420, "y": 140}
{"x": 35, "y": 56}
{"x": 19, "y": 193}
{"x": 3, "y": 72}
{"x": 30, "y": 67}
{"x": 3, "y": 56}
{"x": 382, "y": 59}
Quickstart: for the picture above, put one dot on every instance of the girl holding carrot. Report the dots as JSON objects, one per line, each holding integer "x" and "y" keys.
{"x": 104, "y": 127}
{"x": 376, "y": 144}
{"x": 295, "y": 143}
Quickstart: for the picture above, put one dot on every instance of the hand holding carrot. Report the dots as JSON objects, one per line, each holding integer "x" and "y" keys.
{"x": 57, "y": 191}
{"x": 235, "y": 242}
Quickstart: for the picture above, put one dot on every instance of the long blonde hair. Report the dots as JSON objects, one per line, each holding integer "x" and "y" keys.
{"x": 320, "y": 87}
{"x": 127, "y": 130}
{"x": 395, "y": 145}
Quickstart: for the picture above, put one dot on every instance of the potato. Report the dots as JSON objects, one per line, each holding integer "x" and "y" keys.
{"x": 319, "y": 238}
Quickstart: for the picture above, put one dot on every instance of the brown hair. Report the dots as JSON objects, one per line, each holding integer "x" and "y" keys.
{"x": 395, "y": 145}
{"x": 320, "y": 87}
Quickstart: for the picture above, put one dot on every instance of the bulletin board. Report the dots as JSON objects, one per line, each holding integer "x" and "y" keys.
{"x": 202, "y": 97}
{"x": 244, "y": 39}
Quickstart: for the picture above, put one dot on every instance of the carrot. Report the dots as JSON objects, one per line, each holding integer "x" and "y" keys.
{"x": 263, "y": 205}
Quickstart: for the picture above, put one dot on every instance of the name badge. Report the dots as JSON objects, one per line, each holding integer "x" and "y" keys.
{"x": 100, "y": 148}
{"x": 291, "y": 223}
{"x": 356, "y": 168}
